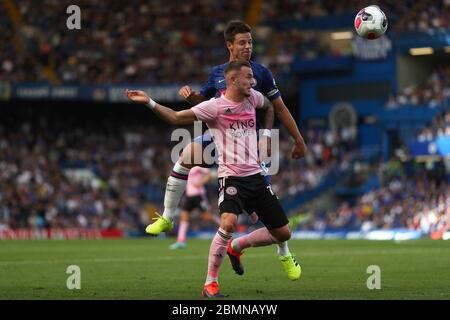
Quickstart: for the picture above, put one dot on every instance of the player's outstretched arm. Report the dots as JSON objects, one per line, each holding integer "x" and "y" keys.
{"x": 193, "y": 97}
{"x": 282, "y": 112}
{"x": 167, "y": 114}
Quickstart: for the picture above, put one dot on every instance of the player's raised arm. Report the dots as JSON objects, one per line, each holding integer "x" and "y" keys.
{"x": 167, "y": 114}
{"x": 193, "y": 97}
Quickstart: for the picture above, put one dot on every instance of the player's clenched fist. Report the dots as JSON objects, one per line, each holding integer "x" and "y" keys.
{"x": 299, "y": 150}
{"x": 137, "y": 96}
{"x": 185, "y": 92}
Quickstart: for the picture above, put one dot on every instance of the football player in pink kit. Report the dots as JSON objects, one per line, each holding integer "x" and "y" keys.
{"x": 195, "y": 198}
{"x": 239, "y": 42}
{"x": 231, "y": 119}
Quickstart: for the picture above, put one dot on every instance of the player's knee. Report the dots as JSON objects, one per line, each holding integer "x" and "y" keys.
{"x": 228, "y": 222}
{"x": 284, "y": 235}
{"x": 228, "y": 226}
{"x": 184, "y": 216}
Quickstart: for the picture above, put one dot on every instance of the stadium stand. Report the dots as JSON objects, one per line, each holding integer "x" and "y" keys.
{"x": 102, "y": 172}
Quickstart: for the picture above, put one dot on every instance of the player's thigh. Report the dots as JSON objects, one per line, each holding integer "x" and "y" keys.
{"x": 191, "y": 155}
{"x": 230, "y": 196}
{"x": 200, "y": 152}
{"x": 204, "y": 204}
{"x": 268, "y": 208}
{"x": 188, "y": 204}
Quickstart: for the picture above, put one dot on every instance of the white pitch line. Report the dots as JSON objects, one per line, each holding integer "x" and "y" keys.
{"x": 250, "y": 255}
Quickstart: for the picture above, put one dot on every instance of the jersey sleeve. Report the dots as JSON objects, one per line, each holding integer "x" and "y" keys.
{"x": 258, "y": 99}
{"x": 269, "y": 86}
{"x": 208, "y": 90}
{"x": 206, "y": 111}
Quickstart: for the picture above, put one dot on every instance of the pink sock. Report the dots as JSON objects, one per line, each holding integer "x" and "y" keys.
{"x": 182, "y": 229}
{"x": 217, "y": 252}
{"x": 257, "y": 238}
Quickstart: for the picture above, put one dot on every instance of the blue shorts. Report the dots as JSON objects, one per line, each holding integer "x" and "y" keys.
{"x": 206, "y": 139}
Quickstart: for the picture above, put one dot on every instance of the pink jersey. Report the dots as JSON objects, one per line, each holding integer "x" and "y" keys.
{"x": 194, "y": 185}
{"x": 233, "y": 127}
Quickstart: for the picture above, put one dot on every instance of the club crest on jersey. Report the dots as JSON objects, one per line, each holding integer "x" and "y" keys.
{"x": 231, "y": 191}
{"x": 248, "y": 106}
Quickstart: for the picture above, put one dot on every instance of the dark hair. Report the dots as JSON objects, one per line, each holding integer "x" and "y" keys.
{"x": 236, "y": 66}
{"x": 233, "y": 28}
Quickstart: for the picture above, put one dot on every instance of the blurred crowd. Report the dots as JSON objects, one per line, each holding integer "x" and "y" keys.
{"x": 280, "y": 11}
{"x": 328, "y": 153}
{"x": 441, "y": 123}
{"x": 161, "y": 42}
{"x": 154, "y": 42}
{"x": 440, "y": 126}
{"x": 415, "y": 202}
{"x": 426, "y": 16}
{"x": 75, "y": 170}
{"x": 92, "y": 173}
{"x": 435, "y": 91}
{"x": 58, "y": 173}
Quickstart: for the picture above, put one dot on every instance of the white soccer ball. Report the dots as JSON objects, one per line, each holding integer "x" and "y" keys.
{"x": 371, "y": 22}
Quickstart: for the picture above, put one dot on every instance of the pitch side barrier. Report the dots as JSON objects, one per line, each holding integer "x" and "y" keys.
{"x": 75, "y": 233}
{"x": 94, "y": 93}
{"x": 59, "y": 234}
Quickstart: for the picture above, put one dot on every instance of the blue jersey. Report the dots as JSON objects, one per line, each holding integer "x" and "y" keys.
{"x": 265, "y": 83}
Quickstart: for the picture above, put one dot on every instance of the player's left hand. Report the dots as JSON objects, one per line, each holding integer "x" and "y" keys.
{"x": 299, "y": 150}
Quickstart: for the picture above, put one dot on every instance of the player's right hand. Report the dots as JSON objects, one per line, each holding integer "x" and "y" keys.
{"x": 137, "y": 96}
{"x": 185, "y": 92}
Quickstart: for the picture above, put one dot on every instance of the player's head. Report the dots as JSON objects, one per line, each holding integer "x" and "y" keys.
{"x": 239, "y": 76}
{"x": 238, "y": 38}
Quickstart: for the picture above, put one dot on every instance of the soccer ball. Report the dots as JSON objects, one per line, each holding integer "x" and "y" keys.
{"x": 371, "y": 22}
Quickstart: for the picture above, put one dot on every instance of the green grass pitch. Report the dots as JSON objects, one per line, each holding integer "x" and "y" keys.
{"x": 147, "y": 269}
